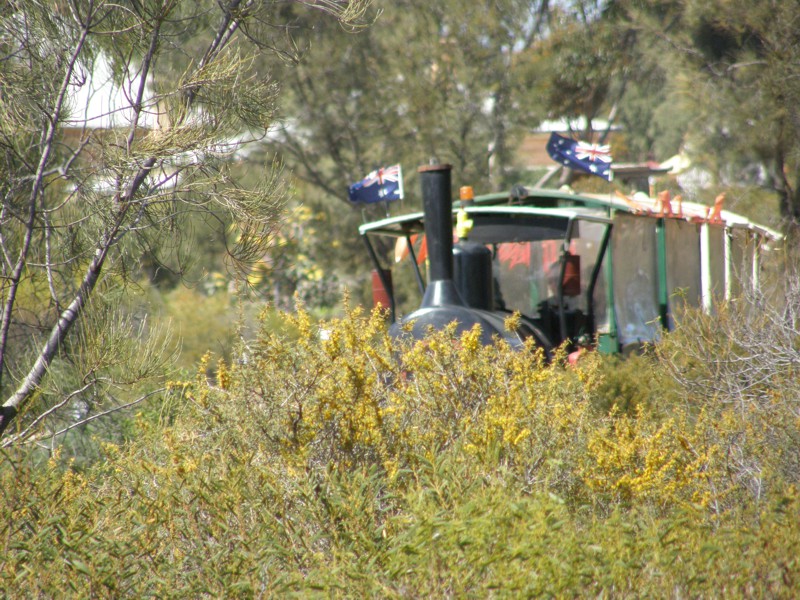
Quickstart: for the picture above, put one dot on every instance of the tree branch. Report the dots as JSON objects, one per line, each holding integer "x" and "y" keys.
{"x": 48, "y": 135}
{"x": 27, "y": 431}
{"x": 92, "y": 418}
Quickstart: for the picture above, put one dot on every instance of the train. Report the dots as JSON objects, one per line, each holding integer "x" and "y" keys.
{"x": 607, "y": 272}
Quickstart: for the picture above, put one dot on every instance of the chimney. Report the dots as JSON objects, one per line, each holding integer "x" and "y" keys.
{"x": 438, "y": 207}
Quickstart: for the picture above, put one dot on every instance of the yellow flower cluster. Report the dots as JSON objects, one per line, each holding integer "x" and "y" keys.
{"x": 343, "y": 393}
{"x": 635, "y": 457}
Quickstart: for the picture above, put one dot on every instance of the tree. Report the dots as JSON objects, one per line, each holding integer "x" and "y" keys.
{"x": 426, "y": 80}
{"x": 81, "y": 204}
{"x": 735, "y": 67}
{"x": 593, "y": 64}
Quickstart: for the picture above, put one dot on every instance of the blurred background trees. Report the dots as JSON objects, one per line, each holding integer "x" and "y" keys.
{"x": 426, "y": 80}
{"x": 466, "y": 82}
{"x": 733, "y": 69}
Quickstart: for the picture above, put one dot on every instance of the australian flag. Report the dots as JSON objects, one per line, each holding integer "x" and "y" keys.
{"x": 383, "y": 185}
{"x": 592, "y": 158}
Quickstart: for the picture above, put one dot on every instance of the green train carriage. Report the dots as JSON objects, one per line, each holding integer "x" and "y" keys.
{"x": 609, "y": 272}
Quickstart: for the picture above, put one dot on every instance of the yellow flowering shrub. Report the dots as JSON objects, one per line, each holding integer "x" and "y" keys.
{"x": 328, "y": 459}
{"x": 664, "y": 462}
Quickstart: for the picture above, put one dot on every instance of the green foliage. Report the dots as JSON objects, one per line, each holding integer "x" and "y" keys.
{"x": 119, "y": 355}
{"x": 349, "y": 464}
{"x": 302, "y": 262}
{"x": 581, "y": 62}
{"x": 90, "y": 203}
{"x": 732, "y": 67}
{"x": 424, "y": 80}
{"x": 200, "y": 322}
{"x": 633, "y": 383}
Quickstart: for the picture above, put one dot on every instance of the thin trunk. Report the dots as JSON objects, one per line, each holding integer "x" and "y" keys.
{"x": 48, "y": 137}
{"x": 65, "y": 322}
{"x": 122, "y": 202}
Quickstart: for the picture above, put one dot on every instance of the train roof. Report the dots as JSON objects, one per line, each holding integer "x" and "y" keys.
{"x": 548, "y": 203}
{"x": 412, "y": 223}
{"x": 639, "y": 203}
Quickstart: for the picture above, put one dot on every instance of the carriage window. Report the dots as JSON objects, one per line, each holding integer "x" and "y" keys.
{"x": 683, "y": 265}
{"x": 635, "y": 278}
{"x": 716, "y": 263}
{"x": 742, "y": 250}
{"x": 528, "y": 273}
{"x": 587, "y": 246}
{"x": 524, "y": 274}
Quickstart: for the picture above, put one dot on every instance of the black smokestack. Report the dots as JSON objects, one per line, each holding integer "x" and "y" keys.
{"x": 438, "y": 206}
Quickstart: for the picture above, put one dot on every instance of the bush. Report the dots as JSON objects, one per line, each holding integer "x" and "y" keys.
{"x": 740, "y": 367}
{"x": 351, "y": 464}
{"x": 635, "y": 382}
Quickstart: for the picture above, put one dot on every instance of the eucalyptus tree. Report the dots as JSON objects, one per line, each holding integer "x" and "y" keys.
{"x": 85, "y": 190}
{"x": 576, "y": 64}
{"x": 734, "y": 66}
{"x": 437, "y": 79}
{"x": 594, "y": 65}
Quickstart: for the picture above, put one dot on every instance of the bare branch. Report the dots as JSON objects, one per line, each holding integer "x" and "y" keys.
{"x": 25, "y": 433}
{"x": 82, "y": 422}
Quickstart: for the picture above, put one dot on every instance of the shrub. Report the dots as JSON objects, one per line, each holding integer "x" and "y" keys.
{"x": 632, "y": 383}
{"x": 740, "y": 367}
{"x": 351, "y": 464}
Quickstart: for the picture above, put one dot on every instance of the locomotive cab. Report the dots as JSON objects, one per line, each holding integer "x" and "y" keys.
{"x": 544, "y": 264}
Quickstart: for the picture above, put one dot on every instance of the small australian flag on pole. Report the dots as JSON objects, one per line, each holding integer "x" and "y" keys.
{"x": 383, "y": 185}
{"x": 592, "y": 158}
